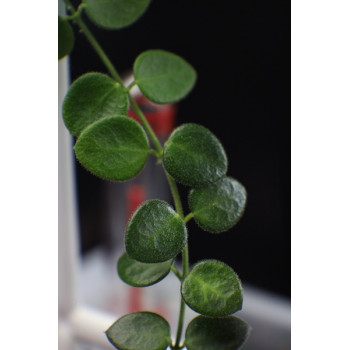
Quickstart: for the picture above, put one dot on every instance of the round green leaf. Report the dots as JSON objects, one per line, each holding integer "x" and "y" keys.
{"x": 207, "y": 333}
{"x": 113, "y": 148}
{"x": 140, "y": 331}
{"x": 213, "y": 289}
{"x": 115, "y": 14}
{"x": 140, "y": 274}
{"x": 155, "y": 233}
{"x": 219, "y": 206}
{"x": 65, "y": 38}
{"x": 91, "y": 97}
{"x": 193, "y": 156}
{"x": 163, "y": 77}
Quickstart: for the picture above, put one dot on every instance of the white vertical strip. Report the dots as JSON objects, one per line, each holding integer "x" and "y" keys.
{"x": 67, "y": 212}
{"x": 65, "y": 337}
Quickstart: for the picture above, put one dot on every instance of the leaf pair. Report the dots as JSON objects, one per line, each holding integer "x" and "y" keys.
{"x": 154, "y": 237}
{"x": 110, "y": 145}
{"x": 162, "y": 76}
{"x": 195, "y": 157}
{"x": 211, "y": 288}
{"x": 149, "y": 331}
{"x": 116, "y": 149}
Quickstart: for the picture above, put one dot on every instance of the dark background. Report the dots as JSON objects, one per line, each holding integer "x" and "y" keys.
{"x": 241, "y": 52}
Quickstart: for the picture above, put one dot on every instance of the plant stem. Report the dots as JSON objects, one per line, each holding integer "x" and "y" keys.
{"x": 185, "y": 265}
{"x": 176, "y": 272}
{"x": 107, "y": 62}
{"x": 176, "y": 195}
{"x": 131, "y": 85}
{"x": 178, "y": 207}
{"x": 145, "y": 123}
{"x": 109, "y": 65}
{"x": 188, "y": 217}
{"x": 180, "y": 325}
{"x": 173, "y": 187}
{"x": 185, "y": 259}
{"x": 154, "y": 152}
{"x": 76, "y": 14}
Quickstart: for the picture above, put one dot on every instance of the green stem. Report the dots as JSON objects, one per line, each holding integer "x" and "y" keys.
{"x": 188, "y": 217}
{"x": 146, "y": 125}
{"x": 69, "y": 5}
{"x": 76, "y": 14}
{"x": 180, "y": 325}
{"x": 185, "y": 259}
{"x": 176, "y": 272}
{"x": 109, "y": 65}
{"x": 176, "y": 195}
{"x": 155, "y": 153}
{"x": 131, "y": 85}
{"x": 107, "y": 62}
{"x": 185, "y": 267}
{"x": 178, "y": 206}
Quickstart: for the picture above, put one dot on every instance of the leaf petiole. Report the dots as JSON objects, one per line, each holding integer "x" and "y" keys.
{"x": 76, "y": 13}
{"x": 176, "y": 272}
{"x": 158, "y": 155}
{"x": 100, "y": 52}
{"x": 131, "y": 85}
{"x": 188, "y": 217}
{"x": 109, "y": 65}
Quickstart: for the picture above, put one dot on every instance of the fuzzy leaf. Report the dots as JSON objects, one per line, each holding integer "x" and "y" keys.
{"x": 219, "y": 206}
{"x": 91, "y": 97}
{"x": 115, "y": 14}
{"x": 163, "y": 77}
{"x": 138, "y": 274}
{"x": 65, "y": 38}
{"x": 113, "y": 148}
{"x": 213, "y": 289}
{"x": 207, "y": 333}
{"x": 194, "y": 156}
{"x": 140, "y": 331}
{"x": 155, "y": 233}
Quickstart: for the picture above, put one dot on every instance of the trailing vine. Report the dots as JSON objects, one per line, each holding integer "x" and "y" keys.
{"x": 115, "y": 147}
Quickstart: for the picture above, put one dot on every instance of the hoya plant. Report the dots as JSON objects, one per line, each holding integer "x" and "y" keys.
{"x": 115, "y": 147}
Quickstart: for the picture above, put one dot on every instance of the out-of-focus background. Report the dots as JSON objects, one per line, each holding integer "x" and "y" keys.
{"x": 241, "y": 52}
